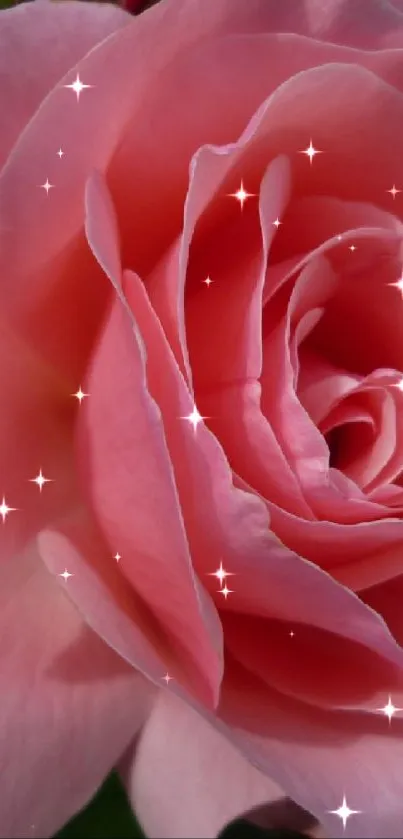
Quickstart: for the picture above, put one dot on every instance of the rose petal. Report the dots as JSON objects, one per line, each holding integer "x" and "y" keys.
{"x": 39, "y": 43}
{"x": 203, "y": 785}
{"x": 70, "y": 706}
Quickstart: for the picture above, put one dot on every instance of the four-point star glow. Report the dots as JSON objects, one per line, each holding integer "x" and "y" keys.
{"x": 5, "y": 509}
{"x": 80, "y": 395}
{"x": 117, "y": 557}
{"x": 208, "y": 281}
{"x": 65, "y": 575}
{"x": 310, "y": 152}
{"x": 225, "y": 591}
{"x": 194, "y": 418}
{"x": 276, "y": 223}
{"x": 393, "y": 191}
{"x": 167, "y": 678}
{"x": 40, "y": 480}
{"x": 398, "y": 284}
{"x": 77, "y": 86}
{"x": 389, "y": 710}
{"x": 46, "y": 186}
{"x": 344, "y": 812}
{"x": 241, "y": 195}
{"x": 60, "y": 153}
{"x": 221, "y": 574}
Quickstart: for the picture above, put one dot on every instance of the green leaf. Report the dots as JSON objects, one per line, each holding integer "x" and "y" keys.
{"x": 107, "y": 816}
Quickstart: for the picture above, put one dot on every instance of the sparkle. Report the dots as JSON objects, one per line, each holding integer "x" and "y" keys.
{"x": 291, "y": 634}
{"x": 194, "y": 418}
{"x": 389, "y": 710}
{"x": 241, "y": 195}
{"x": 77, "y": 86}
{"x": 310, "y": 152}
{"x": 167, "y": 678}
{"x": 117, "y": 557}
{"x": 208, "y": 281}
{"x": 60, "y": 153}
{"x": 398, "y": 284}
{"x": 393, "y": 191}
{"x": 5, "y": 509}
{"x": 65, "y": 575}
{"x": 221, "y": 574}
{"x": 46, "y": 186}
{"x": 80, "y": 395}
{"x": 352, "y": 248}
{"x": 344, "y": 812}
{"x": 225, "y": 591}
{"x": 399, "y": 385}
{"x": 340, "y": 237}
{"x": 40, "y": 480}
{"x": 276, "y": 223}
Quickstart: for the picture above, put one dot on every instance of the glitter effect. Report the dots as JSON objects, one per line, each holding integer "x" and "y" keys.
{"x": 167, "y": 678}
{"x": 46, "y": 186}
{"x": 389, "y": 710}
{"x": 40, "y": 480}
{"x": 310, "y": 152}
{"x": 5, "y": 509}
{"x": 344, "y": 812}
{"x": 394, "y": 191}
{"x": 194, "y": 418}
{"x": 80, "y": 395}
{"x": 65, "y": 575}
{"x": 241, "y": 195}
{"x": 77, "y": 86}
{"x": 221, "y": 574}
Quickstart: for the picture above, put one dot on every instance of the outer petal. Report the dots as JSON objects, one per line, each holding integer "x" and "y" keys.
{"x": 202, "y": 781}
{"x": 39, "y": 43}
{"x": 69, "y": 704}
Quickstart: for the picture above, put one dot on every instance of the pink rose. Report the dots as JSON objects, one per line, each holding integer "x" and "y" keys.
{"x": 117, "y": 205}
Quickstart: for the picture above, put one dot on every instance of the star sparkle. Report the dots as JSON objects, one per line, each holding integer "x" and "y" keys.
{"x": 40, "y": 480}
{"x": 208, "y": 281}
{"x": 117, "y": 557}
{"x": 60, "y": 153}
{"x": 5, "y": 509}
{"x": 167, "y": 678}
{"x": 352, "y": 248}
{"x": 394, "y": 191}
{"x": 46, "y": 186}
{"x": 66, "y": 575}
{"x": 221, "y": 574}
{"x": 241, "y": 195}
{"x": 344, "y": 812}
{"x": 310, "y": 152}
{"x": 276, "y": 223}
{"x": 225, "y": 591}
{"x": 398, "y": 284}
{"x": 80, "y": 395}
{"x": 77, "y": 86}
{"x": 389, "y": 710}
{"x": 194, "y": 418}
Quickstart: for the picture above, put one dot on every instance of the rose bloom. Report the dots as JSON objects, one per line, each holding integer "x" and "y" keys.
{"x": 206, "y": 592}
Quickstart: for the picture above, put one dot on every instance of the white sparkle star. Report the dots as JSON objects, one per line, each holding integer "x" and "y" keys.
{"x": 5, "y": 509}
{"x": 46, "y": 186}
{"x": 194, "y": 418}
{"x": 310, "y": 152}
{"x": 77, "y": 86}
{"x": 393, "y": 191}
{"x": 65, "y": 575}
{"x": 225, "y": 591}
{"x": 398, "y": 284}
{"x": 117, "y": 557}
{"x": 40, "y": 480}
{"x": 276, "y": 223}
{"x": 80, "y": 395}
{"x": 221, "y": 574}
{"x": 399, "y": 385}
{"x": 389, "y": 710}
{"x": 60, "y": 153}
{"x": 352, "y": 248}
{"x": 208, "y": 281}
{"x": 344, "y": 812}
{"x": 291, "y": 634}
{"x": 241, "y": 195}
{"x": 167, "y": 678}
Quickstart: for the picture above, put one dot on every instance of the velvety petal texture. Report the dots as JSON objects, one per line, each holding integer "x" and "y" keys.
{"x": 201, "y": 436}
